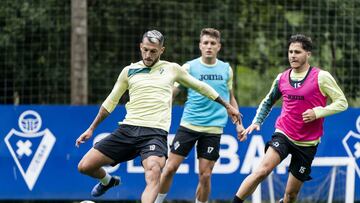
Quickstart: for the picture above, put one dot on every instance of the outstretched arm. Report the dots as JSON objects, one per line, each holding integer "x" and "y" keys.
{"x": 185, "y": 79}
{"x": 107, "y": 107}
{"x": 102, "y": 114}
{"x": 232, "y": 112}
{"x": 177, "y": 86}
{"x": 239, "y": 125}
{"x": 267, "y": 103}
{"x": 265, "y": 107}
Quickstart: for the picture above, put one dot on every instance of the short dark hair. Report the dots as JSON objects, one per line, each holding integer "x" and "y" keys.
{"x": 154, "y": 36}
{"x": 211, "y": 32}
{"x": 305, "y": 41}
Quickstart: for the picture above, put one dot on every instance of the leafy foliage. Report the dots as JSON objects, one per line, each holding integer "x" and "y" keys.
{"x": 35, "y": 43}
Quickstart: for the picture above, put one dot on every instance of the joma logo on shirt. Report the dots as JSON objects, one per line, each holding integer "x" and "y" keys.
{"x": 295, "y": 97}
{"x": 210, "y": 77}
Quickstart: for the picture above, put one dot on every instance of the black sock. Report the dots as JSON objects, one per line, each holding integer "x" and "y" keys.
{"x": 237, "y": 200}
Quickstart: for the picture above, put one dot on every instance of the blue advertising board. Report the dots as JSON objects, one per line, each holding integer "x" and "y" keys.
{"x": 38, "y": 157}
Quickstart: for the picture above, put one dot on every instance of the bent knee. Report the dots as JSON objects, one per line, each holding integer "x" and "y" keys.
{"x": 205, "y": 176}
{"x": 170, "y": 170}
{"x": 81, "y": 167}
{"x": 84, "y": 167}
{"x": 156, "y": 169}
{"x": 262, "y": 173}
{"x": 153, "y": 173}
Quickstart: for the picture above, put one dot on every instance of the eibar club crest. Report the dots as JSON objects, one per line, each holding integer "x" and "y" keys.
{"x": 30, "y": 148}
{"x": 351, "y": 144}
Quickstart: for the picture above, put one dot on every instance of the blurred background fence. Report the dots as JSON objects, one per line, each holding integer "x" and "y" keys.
{"x": 37, "y": 52}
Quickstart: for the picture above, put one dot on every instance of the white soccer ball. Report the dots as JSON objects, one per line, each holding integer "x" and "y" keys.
{"x": 87, "y": 201}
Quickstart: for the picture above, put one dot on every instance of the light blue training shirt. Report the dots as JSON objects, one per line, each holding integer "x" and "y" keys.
{"x": 199, "y": 110}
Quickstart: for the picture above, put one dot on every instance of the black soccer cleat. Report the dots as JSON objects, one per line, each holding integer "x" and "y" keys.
{"x": 99, "y": 189}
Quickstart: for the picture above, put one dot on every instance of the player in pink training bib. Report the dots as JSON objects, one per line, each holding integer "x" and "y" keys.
{"x": 304, "y": 90}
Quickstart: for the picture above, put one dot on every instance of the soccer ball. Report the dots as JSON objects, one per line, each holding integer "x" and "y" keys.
{"x": 87, "y": 201}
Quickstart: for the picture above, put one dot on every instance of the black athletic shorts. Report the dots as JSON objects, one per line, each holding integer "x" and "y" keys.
{"x": 208, "y": 144}
{"x": 128, "y": 142}
{"x": 301, "y": 157}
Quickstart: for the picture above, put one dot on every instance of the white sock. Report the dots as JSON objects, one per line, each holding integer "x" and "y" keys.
{"x": 105, "y": 180}
{"x": 160, "y": 198}
{"x": 197, "y": 201}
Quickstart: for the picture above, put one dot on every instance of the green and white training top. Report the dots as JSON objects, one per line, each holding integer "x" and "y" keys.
{"x": 150, "y": 92}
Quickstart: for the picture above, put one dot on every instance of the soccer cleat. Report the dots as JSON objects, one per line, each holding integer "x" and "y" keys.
{"x": 99, "y": 189}
{"x": 281, "y": 201}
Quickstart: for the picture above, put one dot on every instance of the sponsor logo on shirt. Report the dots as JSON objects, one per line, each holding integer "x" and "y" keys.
{"x": 295, "y": 97}
{"x": 211, "y": 77}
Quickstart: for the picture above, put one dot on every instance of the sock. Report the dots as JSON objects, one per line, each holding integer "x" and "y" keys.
{"x": 197, "y": 201}
{"x": 160, "y": 198}
{"x": 105, "y": 180}
{"x": 237, "y": 200}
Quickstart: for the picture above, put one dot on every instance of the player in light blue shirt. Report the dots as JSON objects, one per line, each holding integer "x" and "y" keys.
{"x": 202, "y": 121}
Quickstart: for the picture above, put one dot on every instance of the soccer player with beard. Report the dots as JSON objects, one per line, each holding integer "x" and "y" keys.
{"x": 144, "y": 130}
{"x": 304, "y": 90}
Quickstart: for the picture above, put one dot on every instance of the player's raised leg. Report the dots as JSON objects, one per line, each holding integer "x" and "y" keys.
{"x": 91, "y": 165}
